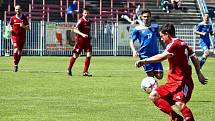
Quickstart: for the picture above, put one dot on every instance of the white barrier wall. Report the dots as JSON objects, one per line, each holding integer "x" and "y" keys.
{"x": 52, "y": 38}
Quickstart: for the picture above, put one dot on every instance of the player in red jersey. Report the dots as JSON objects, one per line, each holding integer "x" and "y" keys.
{"x": 82, "y": 30}
{"x": 19, "y": 24}
{"x": 179, "y": 86}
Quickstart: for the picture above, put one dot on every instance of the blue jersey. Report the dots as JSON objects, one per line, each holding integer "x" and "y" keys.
{"x": 147, "y": 37}
{"x": 203, "y": 27}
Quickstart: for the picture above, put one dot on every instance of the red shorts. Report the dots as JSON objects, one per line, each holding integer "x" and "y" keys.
{"x": 18, "y": 43}
{"x": 82, "y": 43}
{"x": 176, "y": 92}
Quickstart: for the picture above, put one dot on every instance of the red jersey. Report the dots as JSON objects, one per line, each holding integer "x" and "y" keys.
{"x": 18, "y": 33}
{"x": 84, "y": 26}
{"x": 179, "y": 67}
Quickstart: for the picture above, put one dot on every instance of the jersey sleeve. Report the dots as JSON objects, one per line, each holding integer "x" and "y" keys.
{"x": 78, "y": 25}
{"x": 134, "y": 35}
{"x": 190, "y": 51}
{"x": 11, "y": 21}
{"x": 170, "y": 48}
{"x": 198, "y": 27}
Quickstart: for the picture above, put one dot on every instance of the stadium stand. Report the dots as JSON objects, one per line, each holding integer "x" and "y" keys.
{"x": 52, "y": 10}
{"x": 211, "y": 8}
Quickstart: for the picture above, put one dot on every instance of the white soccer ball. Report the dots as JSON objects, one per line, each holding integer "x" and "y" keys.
{"x": 148, "y": 84}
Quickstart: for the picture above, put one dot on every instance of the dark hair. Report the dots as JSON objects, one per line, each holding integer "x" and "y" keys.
{"x": 169, "y": 28}
{"x": 18, "y": 5}
{"x": 146, "y": 11}
{"x": 85, "y": 9}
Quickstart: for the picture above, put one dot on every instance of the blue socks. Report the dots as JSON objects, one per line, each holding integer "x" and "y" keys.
{"x": 202, "y": 61}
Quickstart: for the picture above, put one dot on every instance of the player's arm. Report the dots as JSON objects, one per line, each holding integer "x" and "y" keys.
{"x": 198, "y": 32}
{"x": 26, "y": 27}
{"x": 196, "y": 64}
{"x": 24, "y": 24}
{"x": 134, "y": 37}
{"x": 155, "y": 58}
{"x": 134, "y": 51}
{"x": 76, "y": 30}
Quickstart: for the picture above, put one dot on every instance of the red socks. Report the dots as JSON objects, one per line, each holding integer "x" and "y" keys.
{"x": 16, "y": 58}
{"x": 165, "y": 107}
{"x": 187, "y": 114}
{"x": 72, "y": 61}
{"x": 87, "y": 64}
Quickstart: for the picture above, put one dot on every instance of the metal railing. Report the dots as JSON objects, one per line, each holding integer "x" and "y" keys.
{"x": 202, "y": 6}
{"x": 52, "y": 38}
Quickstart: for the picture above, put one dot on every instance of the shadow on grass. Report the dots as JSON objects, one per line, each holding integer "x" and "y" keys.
{"x": 63, "y": 72}
{"x": 202, "y": 101}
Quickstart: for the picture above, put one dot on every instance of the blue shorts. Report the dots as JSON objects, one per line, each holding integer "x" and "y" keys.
{"x": 204, "y": 45}
{"x": 152, "y": 66}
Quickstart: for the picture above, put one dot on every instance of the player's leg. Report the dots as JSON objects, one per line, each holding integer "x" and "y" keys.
{"x": 15, "y": 59}
{"x": 182, "y": 98}
{"x": 186, "y": 112}
{"x": 15, "y": 56}
{"x": 154, "y": 70}
{"x": 164, "y": 106}
{"x": 77, "y": 49}
{"x": 71, "y": 62}
{"x": 148, "y": 68}
{"x": 205, "y": 54}
{"x": 204, "y": 58}
{"x": 20, "y": 45}
{"x": 87, "y": 64}
{"x": 158, "y": 70}
{"x": 88, "y": 51}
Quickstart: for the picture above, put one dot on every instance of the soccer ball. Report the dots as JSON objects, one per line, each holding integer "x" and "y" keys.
{"x": 148, "y": 84}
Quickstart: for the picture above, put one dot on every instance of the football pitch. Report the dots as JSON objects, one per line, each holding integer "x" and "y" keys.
{"x": 42, "y": 91}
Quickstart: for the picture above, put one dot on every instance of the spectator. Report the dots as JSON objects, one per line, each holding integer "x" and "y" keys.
{"x": 176, "y": 4}
{"x": 136, "y": 16}
{"x": 165, "y": 5}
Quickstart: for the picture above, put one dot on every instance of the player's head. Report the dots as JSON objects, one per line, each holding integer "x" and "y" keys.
{"x": 18, "y": 9}
{"x": 167, "y": 32}
{"x": 146, "y": 16}
{"x": 85, "y": 13}
{"x": 206, "y": 17}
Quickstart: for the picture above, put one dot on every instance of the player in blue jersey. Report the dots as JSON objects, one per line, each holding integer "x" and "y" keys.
{"x": 204, "y": 29}
{"x": 147, "y": 34}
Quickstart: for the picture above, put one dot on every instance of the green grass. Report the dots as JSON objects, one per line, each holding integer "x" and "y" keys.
{"x": 42, "y": 91}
